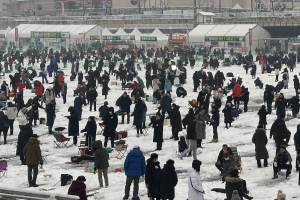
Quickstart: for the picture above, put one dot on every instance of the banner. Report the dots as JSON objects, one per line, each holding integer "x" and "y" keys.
{"x": 250, "y": 37}
{"x": 226, "y": 38}
{"x": 81, "y": 40}
{"x": 41, "y": 34}
{"x": 16, "y": 34}
{"x": 100, "y": 35}
{"x": 178, "y": 39}
{"x": 2, "y": 35}
{"x": 118, "y": 37}
{"x": 148, "y": 38}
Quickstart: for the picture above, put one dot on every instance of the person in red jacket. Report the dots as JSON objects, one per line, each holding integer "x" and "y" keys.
{"x": 78, "y": 188}
{"x": 39, "y": 90}
{"x": 237, "y": 93}
{"x": 21, "y": 87}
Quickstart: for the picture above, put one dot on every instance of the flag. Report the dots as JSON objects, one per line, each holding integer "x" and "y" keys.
{"x": 187, "y": 36}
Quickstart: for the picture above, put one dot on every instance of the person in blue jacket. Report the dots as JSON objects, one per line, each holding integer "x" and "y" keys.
{"x": 50, "y": 70}
{"x": 168, "y": 86}
{"x": 134, "y": 167}
{"x": 165, "y": 103}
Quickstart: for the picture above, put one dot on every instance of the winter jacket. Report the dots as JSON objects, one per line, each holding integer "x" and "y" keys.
{"x": 195, "y": 191}
{"x": 12, "y": 112}
{"x": 134, "y": 164}
{"x": 233, "y": 183}
{"x": 168, "y": 85}
{"x": 50, "y": 110}
{"x": 283, "y": 158}
{"x": 280, "y": 106}
{"x": 101, "y": 155}
{"x": 167, "y": 181}
{"x": 262, "y": 115}
{"x": 227, "y": 114}
{"x": 23, "y": 137}
{"x": 140, "y": 82}
{"x": 25, "y": 75}
{"x": 215, "y": 117}
{"x": 60, "y": 79}
{"x": 297, "y": 138}
{"x": 78, "y": 188}
{"x": 49, "y": 95}
{"x": 92, "y": 95}
{"x": 228, "y": 165}
{"x": 21, "y": 86}
{"x": 201, "y": 128}
{"x": 49, "y": 69}
{"x": 64, "y": 89}
{"x": 151, "y": 177}
{"x": 32, "y": 152}
{"x": 165, "y": 103}
{"x": 73, "y": 127}
{"x": 155, "y": 84}
{"x": 158, "y": 126}
{"x": 237, "y": 90}
{"x": 111, "y": 123}
{"x": 221, "y": 153}
{"x": 103, "y": 111}
{"x": 22, "y": 117}
{"x": 90, "y": 128}
{"x": 176, "y": 119}
{"x": 260, "y": 140}
{"x": 296, "y": 83}
{"x": 191, "y": 131}
{"x": 279, "y": 130}
{"x": 78, "y": 102}
{"x": 39, "y": 90}
{"x": 125, "y": 104}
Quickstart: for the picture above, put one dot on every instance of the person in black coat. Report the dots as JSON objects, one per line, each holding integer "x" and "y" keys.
{"x": 4, "y": 125}
{"x": 227, "y": 115}
{"x": 100, "y": 65}
{"x": 167, "y": 181}
{"x": 138, "y": 115}
{"x": 35, "y": 109}
{"x": 262, "y": 116}
{"x": 73, "y": 127}
{"x": 23, "y": 137}
{"x": 245, "y": 98}
{"x": 111, "y": 122}
{"x": 297, "y": 144}
{"x": 219, "y": 163}
{"x": 103, "y": 110}
{"x": 157, "y": 123}
{"x": 175, "y": 119}
{"x": 105, "y": 87}
{"x": 280, "y": 105}
{"x": 215, "y": 122}
{"x": 294, "y": 104}
{"x": 268, "y": 97}
{"x": 296, "y": 84}
{"x": 78, "y": 103}
{"x": 279, "y": 131}
{"x": 50, "y": 110}
{"x": 196, "y": 81}
{"x": 151, "y": 176}
{"x": 92, "y": 97}
{"x": 80, "y": 77}
{"x": 125, "y": 107}
{"x": 188, "y": 117}
{"x": 90, "y": 129}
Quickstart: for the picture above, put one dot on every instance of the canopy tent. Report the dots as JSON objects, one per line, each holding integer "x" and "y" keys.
{"x": 136, "y": 33}
{"x": 162, "y": 39}
{"x": 197, "y": 35}
{"x": 105, "y": 31}
{"x": 121, "y": 32}
{"x": 237, "y": 8}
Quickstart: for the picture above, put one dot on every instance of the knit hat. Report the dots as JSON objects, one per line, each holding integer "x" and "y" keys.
{"x": 235, "y": 195}
{"x": 136, "y": 146}
{"x": 182, "y": 138}
{"x": 105, "y": 103}
{"x": 24, "y": 110}
{"x": 280, "y": 195}
{"x": 170, "y": 162}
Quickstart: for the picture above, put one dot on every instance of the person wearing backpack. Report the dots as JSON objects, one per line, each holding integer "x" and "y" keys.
{"x": 285, "y": 78}
{"x": 11, "y": 113}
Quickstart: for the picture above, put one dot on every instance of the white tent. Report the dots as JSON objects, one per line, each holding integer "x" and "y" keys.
{"x": 237, "y": 7}
{"x": 136, "y": 33}
{"x": 105, "y": 31}
{"x": 121, "y": 32}
{"x": 162, "y": 39}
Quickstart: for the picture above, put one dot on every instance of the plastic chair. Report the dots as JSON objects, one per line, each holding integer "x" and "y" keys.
{"x": 3, "y": 168}
{"x": 60, "y": 140}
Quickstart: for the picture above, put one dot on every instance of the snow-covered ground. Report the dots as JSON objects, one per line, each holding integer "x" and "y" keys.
{"x": 259, "y": 181}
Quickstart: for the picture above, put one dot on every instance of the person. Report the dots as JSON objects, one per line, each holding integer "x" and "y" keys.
{"x": 49, "y": 95}
{"x": 4, "y": 125}
{"x": 11, "y": 113}
{"x": 263, "y": 116}
{"x": 280, "y": 195}
{"x": 138, "y": 114}
{"x": 201, "y": 126}
{"x": 78, "y": 188}
{"x": 64, "y": 91}
{"x": 157, "y": 122}
{"x": 125, "y": 107}
{"x": 50, "y": 110}
{"x": 151, "y": 176}
{"x": 35, "y": 111}
{"x": 187, "y": 118}
{"x": 134, "y": 167}
{"x": 22, "y": 116}
{"x": 92, "y": 97}
{"x": 245, "y": 98}
{"x": 282, "y": 160}
{"x": 191, "y": 139}
{"x": 280, "y": 105}
{"x": 101, "y": 162}
{"x": 229, "y": 163}
{"x": 297, "y": 144}
{"x": 103, "y": 110}
{"x": 296, "y": 85}
{"x": 73, "y": 127}
{"x": 279, "y": 131}
{"x": 195, "y": 188}
{"x": 215, "y": 121}
{"x": 258, "y": 83}
{"x": 175, "y": 120}
{"x": 23, "y": 137}
{"x": 167, "y": 181}
{"x": 236, "y": 94}
{"x": 219, "y": 163}
{"x": 91, "y": 130}
{"x": 260, "y": 140}
{"x": 268, "y": 98}
{"x": 78, "y": 103}
{"x": 165, "y": 103}
{"x": 111, "y": 122}
{"x": 33, "y": 156}
{"x": 227, "y": 115}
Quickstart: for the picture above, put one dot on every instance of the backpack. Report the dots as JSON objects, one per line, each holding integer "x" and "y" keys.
{"x": 284, "y": 77}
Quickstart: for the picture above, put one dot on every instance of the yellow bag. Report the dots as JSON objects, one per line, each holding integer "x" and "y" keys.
{"x": 165, "y": 121}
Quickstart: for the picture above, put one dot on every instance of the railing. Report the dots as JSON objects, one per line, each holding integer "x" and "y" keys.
{"x": 159, "y": 26}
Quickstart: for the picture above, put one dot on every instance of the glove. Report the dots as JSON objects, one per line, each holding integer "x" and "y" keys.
{"x": 275, "y": 164}
{"x": 288, "y": 163}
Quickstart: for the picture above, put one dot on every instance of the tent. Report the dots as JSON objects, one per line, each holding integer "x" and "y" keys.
{"x": 136, "y": 33}
{"x": 237, "y": 8}
{"x": 162, "y": 39}
{"x": 121, "y": 32}
{"x": 105, "y": 31}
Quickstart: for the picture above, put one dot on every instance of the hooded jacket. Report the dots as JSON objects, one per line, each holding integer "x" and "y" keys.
{"x": 73, "y": 127}
{"x": 134, "y": 164}
{"x": 78, "y": 188}
{"x": 297, "y": 138}
{"x": 195, "y": 191}
{"x": 22, "y": 117}
{"x": 32, "y": 152}
{"x": 151, "y": 177}
{"x": 111, "y": 123}
{"x": 237, "y": 90}
{"x": 101, "y": 155}
{"x": 90, "y": 128}
{"x": 260, "y": 140}
{"x": 167, "y": 182}
{"x": 12, "y": 112}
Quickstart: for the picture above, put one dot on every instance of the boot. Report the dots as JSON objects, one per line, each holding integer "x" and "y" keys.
{"x": 50, "y": 130}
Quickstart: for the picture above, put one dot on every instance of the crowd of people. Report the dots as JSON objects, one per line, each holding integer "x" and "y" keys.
{"x": 162, "y": 77}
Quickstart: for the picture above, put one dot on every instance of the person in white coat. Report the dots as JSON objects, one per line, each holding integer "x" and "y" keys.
{"x": 22, "y": 116}
{"x": 49, "y": 95}
{"x": 194, "y": 182}
{"x": 11, "y": 113}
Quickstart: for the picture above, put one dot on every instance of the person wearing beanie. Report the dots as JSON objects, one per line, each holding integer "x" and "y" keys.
{"x": 111, "y": 123}
{"x": 73, "y": 127}
{"x": 103, "y": 110}
{"x": 151, "y": 176}
{"x": 78, "y": 188}
{"x": 167, "y": 181}
{"x": 195, "y": 189}
{"x": 191, "y": 139}
{"x": 157, "y": 123}
{"x": 91, "y": 130}
{"x": 134, "y": 167}
{"x": 125, "y": 103}
{"x": 280, "y": 132}
{"x": 282, "y": 160}
{"x": 260, "y": 140}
